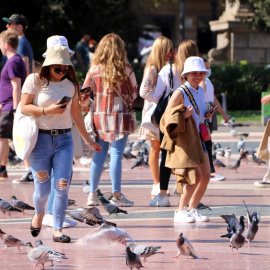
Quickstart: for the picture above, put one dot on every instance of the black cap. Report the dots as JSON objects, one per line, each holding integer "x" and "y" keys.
{"x": 17, "y": 18}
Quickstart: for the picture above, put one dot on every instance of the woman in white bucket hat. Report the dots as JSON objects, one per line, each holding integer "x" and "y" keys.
{"x": 193, "y": 73}
{"x": 41, "y": 94}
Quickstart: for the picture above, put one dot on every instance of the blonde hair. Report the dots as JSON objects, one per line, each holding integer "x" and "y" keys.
{"x": 186, "y": 49}
{"x": 111, "y": 54}
{"x": 160, "y": 50}
{"x": 10, "y": 37}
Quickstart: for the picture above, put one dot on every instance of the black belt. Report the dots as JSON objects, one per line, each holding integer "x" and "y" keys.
{"x": 55, "y": 131}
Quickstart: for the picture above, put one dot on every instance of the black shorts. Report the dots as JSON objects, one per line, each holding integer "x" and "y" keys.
{"x": 6, "y": 124}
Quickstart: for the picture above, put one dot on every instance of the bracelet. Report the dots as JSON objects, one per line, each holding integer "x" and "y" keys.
{"x": 14, "y": 110}
{"x": 44, "y": 111}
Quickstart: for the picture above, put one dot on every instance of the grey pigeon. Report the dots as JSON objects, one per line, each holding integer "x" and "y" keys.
{"x": 86, "y": 187}
{"x": 20, "y": 204}
{"x": 144, "y": 251}
{"x": 252, "y": 227}
{"x": 91, "y": 216}
{"x": 132, "y": 259}
{"x": 109, "y": 207}
{"x": 71, "y": 202}
{"x": 233, "y": 224}
{"x": 7, "y": 207}
{"x": 240, "y": 144}
{"x": 137, "y": 145}
{"x": 104, "y": 237}
{"x": 235, "y": 165}
{"x": 40, "y": 256}
{"x": 10, "y": 241}
{"x": 217, "y": 163}
{"x": 140, "y": 162}
{"x": 257, "y": 160}
{"x": 237, "y": 241}
{"x": 127, "y": 153}
{"x": 184, "y": 247}
{"x": 41, "y": 246}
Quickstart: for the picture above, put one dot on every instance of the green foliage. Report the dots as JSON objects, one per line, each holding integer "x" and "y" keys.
{"x": 242, "y": 83}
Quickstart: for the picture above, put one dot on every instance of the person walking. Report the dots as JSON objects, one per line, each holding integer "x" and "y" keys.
{"x": 186, "y": 49}
{"x": 13, "y": 75}
{"x": 161, "y": 53}
{"x": 114, "y": 87}
{"x": 41, "y": 94}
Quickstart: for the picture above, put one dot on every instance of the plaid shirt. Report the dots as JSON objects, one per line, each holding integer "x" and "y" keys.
{"x": 111, "y": 115}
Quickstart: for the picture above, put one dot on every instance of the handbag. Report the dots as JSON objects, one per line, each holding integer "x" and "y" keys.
{"x": 132, "y": 113}
{"x": 204, "y": 128}
{"x": 25, "y": 133}
{"x": 163, "y": 102}
{"x": 146, "y": 121}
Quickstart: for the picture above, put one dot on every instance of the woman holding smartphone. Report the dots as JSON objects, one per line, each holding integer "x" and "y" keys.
{"x": 41, "y": 94}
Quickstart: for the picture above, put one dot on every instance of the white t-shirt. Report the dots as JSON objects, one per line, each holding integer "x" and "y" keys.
{"x": 163, "y": 82}
{"x": 46, "y": 95}
{"x": 209, "y": 93}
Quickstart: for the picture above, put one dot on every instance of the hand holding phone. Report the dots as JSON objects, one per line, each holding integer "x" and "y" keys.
{"x": 212, "y": 110}
{"x": 64, "y": 99}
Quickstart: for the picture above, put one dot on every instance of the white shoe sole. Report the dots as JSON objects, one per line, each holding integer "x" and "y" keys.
{"x": 189, "y": 221}
{"x": 258, "y": 184}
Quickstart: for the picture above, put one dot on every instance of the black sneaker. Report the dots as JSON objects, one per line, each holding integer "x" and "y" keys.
{"x": 26, "y": 178}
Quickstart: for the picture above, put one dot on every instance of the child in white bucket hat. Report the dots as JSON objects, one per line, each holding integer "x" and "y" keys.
{"x": 194, "y": 72}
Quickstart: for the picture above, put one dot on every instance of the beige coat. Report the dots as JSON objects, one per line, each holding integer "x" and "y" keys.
{"x": 183, "y": 142}
{"x": 263, "y": 151}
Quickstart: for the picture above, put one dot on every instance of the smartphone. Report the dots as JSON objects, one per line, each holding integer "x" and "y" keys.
{"x": 86, "y": 89}
{"x": 212, "y": 110}
{"x": 64, "y": 99}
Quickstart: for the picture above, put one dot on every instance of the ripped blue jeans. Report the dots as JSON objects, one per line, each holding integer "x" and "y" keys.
{"x": 52, "y": 152}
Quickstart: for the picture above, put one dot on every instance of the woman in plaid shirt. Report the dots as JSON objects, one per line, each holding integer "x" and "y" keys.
{"x": 109, "y": 77}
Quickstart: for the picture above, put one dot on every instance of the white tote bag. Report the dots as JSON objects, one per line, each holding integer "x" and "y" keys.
{"x": 146, "y": 121}
{"x": 25, "y": 133}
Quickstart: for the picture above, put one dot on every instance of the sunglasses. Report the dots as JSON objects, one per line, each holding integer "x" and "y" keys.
{"x": 59, "y": 70}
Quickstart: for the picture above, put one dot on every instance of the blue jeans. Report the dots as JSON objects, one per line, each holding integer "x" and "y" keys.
{"x": 52, "y": 152}
{"x": 96, "y": 169}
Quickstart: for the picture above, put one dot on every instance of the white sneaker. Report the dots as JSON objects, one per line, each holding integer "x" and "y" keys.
{"x": 196, "y": 214}
{"x": 262, "y": 184}
{"x": 183, "y": 216}
{"x": 155, "y": 190}
{"x": 48, "y": 221}
{"x": 217, "y": 177}
{"x": 92, "y": 199}
{"x": 162, "y": 201}
{"x": 121, "y": 201}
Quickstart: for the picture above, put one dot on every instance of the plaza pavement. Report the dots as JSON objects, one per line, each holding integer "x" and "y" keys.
{"x": 154, "y": 226}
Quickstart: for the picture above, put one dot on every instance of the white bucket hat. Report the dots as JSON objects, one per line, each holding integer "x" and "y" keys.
{"x": 57, "y": 40}
{"x": 57, "y": 55}
{"x": 194, "y": 63}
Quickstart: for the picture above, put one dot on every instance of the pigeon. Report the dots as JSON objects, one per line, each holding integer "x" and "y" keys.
{"x": 40, "y": 256}
{"x": 136, "y": 146}
{"x": 41, "y": 246}
{"x": 240, "y": 144}
{"x": 220, "y": 152}
{"x": 217, "y": 145}
{"x": 144, "y": 251}
{"x": 257, "y": 160}
{"x": 252, "y": 227}
{"x": 86, "y": 187}
{"x": 235, "y": 165}
{"x": 243, "y": 134}
{"x": 7, "y": 207}
{"x": 109, "y": 207}
{"x": 10, "y": 241}
{"x": 91, "y": 216}
{"x": 233, "y": 224}
{"x": 104, "y": 237}
{"x": 244, "y": 154}
{"x": 228, "y": 152}
{"x": 127, "y": 153}
{"x": 71, "y": 202}
{"x": 237, "y": 240}
{"x": 140, "y": 162}
{"x": 233, "y": 132}
{"x": 132, "y": 259}
{"x": 202, "y": 206}
{"x": 217, "y": 163}
{"x": 184, "y": 247}
{"x": 20, "y": 204}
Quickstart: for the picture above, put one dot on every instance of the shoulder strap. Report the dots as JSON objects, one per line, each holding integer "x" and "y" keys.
{"x": 171, "y": 76}
{"x": 122, "y": 99}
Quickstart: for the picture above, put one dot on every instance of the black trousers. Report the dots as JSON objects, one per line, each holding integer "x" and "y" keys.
{"x": 208, "y": 145}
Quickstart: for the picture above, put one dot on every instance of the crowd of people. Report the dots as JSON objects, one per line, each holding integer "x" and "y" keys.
{"x": 113, "y": 87}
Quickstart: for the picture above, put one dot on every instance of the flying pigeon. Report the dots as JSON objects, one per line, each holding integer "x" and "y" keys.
{"x": 41, "y": 246}
{"x": 237, "y": 240}
{"x": 20, "y": 204}
{"x": 233, "y": 224}
{"x": 86, "y": 187}
{"x": 235, "y": 165}
{"x": 252, "y": 227}
{"x": 184, "y": 247}
{"x": 257, "y": 160}
{"x": 132, "y": 259}
{"x": 91, "y": 216}
{"x": 104, "y": 237}
{"x": 40, "y": 256}
{"x": 109, "y": 207}
{"x": 7, "y": 207}
{"x": 144, "y": 251}
{"x": 10, "y": 241}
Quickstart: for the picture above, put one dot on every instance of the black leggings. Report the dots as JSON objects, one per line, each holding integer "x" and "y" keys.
{"x": 208, "y": 145}
{"x": 164, "y": 172}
